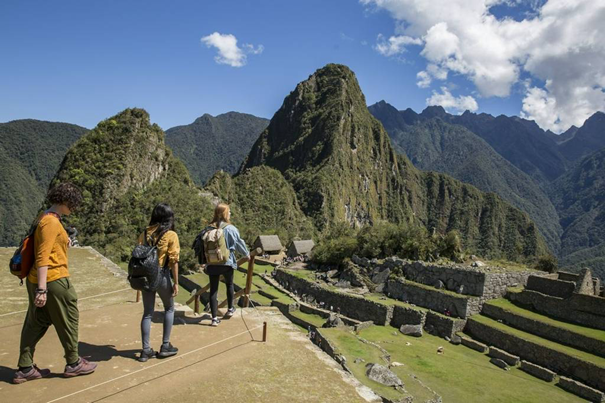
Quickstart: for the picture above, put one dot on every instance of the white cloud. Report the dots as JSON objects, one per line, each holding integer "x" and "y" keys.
{"x": 228, "y": 51}
{"x": 560, "y": 44}
{"x": 395, "y": 45}
{"x": 452, "y": 103}
{"x": 424, "y": 79}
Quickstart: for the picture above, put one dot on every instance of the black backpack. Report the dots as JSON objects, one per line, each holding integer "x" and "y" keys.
{"x": 144, "y": 266}
{"x": 198, "y": 246}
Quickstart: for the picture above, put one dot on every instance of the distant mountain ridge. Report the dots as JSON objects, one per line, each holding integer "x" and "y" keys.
{"x": 31, "y": 151}
{"x": 433, "y": 144}
{"x": 211, "y": 144}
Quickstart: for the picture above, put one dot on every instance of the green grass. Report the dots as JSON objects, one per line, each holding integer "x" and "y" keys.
{"x": 315, "y": 320}
{"x": 377, "y": 297}
{"x": 460, "y": 375}
{"x": 585, "y": 331}
{"x": 539, "y": 340}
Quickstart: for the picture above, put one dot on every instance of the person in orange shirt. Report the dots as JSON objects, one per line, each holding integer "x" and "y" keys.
{"x": 52, "y": 297}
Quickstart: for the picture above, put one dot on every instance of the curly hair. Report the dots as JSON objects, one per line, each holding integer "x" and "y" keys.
{"x": 65, "y": 193}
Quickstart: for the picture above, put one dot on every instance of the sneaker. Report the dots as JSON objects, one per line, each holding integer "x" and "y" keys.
{"x": 32, "y": 374}
{"x": 230, "y": 313}
{"x": 215, "y": 322}
{"x": 146, "y": 354}
{"x": 84, "y": 367}
{"x": 167, "y": 351}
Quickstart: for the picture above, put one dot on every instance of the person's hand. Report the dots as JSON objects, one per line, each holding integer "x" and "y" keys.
{"x": 175, "y": 290}
{"x": 40, "y": 300}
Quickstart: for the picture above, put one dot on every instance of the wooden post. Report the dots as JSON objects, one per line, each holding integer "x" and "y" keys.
{"x": 138, "y": 296}
{"x": 264, "y": 332}
{"x": 196, "y": 308}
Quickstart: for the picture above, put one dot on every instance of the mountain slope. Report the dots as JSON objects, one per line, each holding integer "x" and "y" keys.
{"x": 341, "y": 164}
{"x": 435, "y": 145}
{"x": 210, "y": 144}
{"x": 124, "y": 169}
{"x": 31, "y": 151}
{"x": 587, "y": 139}
{"x": 579, "y": 196}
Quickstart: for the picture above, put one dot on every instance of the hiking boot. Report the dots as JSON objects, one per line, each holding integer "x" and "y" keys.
{"x": 230, "y": 313}
{"x": 146, "y": 354}
{"x": 167, "y": 351}
{"x": 215, "y": 322}
{"x": 32, "y": 374}
{"x": 84, "y": 367}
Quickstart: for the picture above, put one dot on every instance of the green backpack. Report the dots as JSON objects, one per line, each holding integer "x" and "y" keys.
{"x": 215, "y": 246}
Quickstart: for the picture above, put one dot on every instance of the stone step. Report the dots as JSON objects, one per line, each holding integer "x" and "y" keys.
{"x": 564, "y": 360}
{"x": 582, "y": 338}
{"x": 438, "y": 300}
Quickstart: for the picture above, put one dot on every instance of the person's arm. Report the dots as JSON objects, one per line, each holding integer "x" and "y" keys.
{"x": 173, "y": 255}
{"x": 240, "y": 245}
{"x": 45, "y": 237}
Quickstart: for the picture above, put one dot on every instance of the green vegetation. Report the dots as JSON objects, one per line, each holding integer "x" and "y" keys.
{"x": 124, "y": 169}
{"x": 460, "y": 375}
{"x": 30, "y": 151}
{"x": 385, "y": 239}
{"x": 212, "y": 144}
{"x": 509, "y": 306}
{"x": 433, "y": 144}
{"x": 578, "y": 196}
{"x": 539, "y": 340}
{"x": 314, "y": 320}
{"x": 547, "y": 263}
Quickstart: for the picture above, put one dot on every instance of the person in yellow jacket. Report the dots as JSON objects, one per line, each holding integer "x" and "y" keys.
{"x": 161, "y": 231}
{"x": 52, "y": 297}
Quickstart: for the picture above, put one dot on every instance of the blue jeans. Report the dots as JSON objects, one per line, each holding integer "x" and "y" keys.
{"x": 165, "y": 292}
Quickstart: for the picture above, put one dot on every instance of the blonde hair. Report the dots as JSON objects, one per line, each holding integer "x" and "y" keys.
{"x": 221, "y": 214}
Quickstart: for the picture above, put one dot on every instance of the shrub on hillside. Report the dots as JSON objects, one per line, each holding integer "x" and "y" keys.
{"x": 547, "y": 263}
{"x": 335, "y": 251}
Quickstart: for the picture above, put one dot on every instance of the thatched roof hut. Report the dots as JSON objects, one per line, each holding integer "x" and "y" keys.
{"x": 298, "y": 248}
{"x": 269, "y": 243}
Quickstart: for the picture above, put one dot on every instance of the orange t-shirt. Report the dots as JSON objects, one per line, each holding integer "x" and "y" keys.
{"x": 50, "y": 249}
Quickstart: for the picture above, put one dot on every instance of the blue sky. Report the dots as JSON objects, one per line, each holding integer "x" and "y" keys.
{"x": 83, "y": 61}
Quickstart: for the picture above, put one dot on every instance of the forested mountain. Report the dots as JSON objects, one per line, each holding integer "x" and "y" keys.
{"x": 579, "y": 196}
{"x": 124, "y": 169}
{"x": 341, "y": 164}
{"x": 587, "y": 139}
{"x": 30, "y": 151}
{"x": 210, "y": 144}
{"x": 432, "y": 144}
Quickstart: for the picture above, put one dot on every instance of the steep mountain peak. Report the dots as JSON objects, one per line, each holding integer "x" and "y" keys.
{"x": 434, "y": 111}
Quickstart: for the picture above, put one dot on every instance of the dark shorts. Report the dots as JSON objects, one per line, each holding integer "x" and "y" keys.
{"x": 217, "y": 270}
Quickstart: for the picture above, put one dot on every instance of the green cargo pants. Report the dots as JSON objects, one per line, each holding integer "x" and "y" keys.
{"x": 61, "y": 310}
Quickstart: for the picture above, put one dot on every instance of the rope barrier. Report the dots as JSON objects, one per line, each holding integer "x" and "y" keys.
{"x": 153, "y": 366}
{"x": 79, "y": 299}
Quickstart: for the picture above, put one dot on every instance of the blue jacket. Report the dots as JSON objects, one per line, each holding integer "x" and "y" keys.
{"x": 235, "y": 244}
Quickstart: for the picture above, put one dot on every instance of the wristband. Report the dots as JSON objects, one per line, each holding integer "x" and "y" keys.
{"x": 41, "y": 290}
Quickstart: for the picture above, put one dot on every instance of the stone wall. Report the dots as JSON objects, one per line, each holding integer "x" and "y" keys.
{"x": 407, "y": 316}
{"x": 443, "y": 326}
{"x": 562, "y": 363}
{"x": 353, "y": 306}
{"x": 548, "y": 286}
{"x": 567, "y": 276}
{"x": 580, "y": 309}
{"x": 550, "y": 332}
{"x": 458, "y": 305}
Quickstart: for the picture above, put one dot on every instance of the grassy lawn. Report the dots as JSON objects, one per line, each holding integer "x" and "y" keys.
{"x": 539, "y": 340}
{"x": 586, "y": 331}
{"x": 460, "y": 375}
{"x": 315, "y": 320}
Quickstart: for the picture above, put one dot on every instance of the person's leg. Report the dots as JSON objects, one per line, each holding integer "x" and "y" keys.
{"x": 214, "y": 281}
{"x": 62, "y": 305}
{"x": 165, "y": 293}
{"x": 35, "y": 325}
{"x": 228, "y": 276}
{"x": 148, "y": 308}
